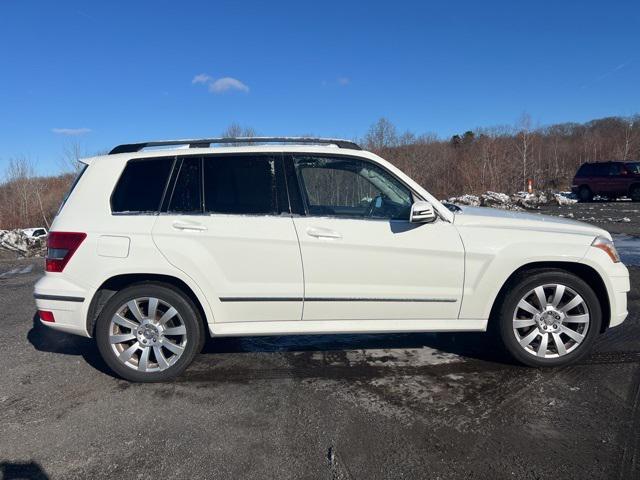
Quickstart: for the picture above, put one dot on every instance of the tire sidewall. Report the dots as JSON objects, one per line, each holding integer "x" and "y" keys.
{"x": 527, "y": 284}
{"x": 186, "y": 309}
{"x": 585, "y": 194}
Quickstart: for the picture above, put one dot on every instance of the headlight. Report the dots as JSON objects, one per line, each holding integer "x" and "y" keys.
{"x": 607, "y": 247}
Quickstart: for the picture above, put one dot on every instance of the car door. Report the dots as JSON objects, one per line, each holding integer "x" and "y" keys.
{"x": 362, "y": 257}
{"x": 226, "y": 223}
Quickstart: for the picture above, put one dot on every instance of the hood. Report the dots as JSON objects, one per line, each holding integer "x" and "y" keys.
{"x": 496, "y": 218}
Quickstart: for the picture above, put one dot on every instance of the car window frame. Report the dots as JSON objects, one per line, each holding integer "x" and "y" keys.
{"x": 282, "y": 195}
{"x": 289, "y": 160}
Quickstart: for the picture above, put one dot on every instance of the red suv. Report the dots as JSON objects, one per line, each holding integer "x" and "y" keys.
{"x": 607, "y": 179}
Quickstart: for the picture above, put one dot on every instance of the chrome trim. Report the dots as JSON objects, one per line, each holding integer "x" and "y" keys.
{"x": 334, "y": 299}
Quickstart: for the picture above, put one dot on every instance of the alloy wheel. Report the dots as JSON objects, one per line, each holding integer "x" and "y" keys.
{"x": 147, "y": 334}
{"x": 551, "y": 321}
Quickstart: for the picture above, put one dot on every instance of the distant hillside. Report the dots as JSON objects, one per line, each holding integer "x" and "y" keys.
{"x": 498, "y": 158}
{"x": 503, "y": 158}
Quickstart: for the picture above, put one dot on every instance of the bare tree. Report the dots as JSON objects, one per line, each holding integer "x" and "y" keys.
{"x": 381, "y": 134}
{"x": 72, "y": 152}
{"x": 523, "y": 144}
{"x": 235, "y": 130}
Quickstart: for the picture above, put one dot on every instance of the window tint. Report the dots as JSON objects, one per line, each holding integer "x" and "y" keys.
{"x": 615, "y": 169}
{"x": 186, "y": 196}
{"x": 141, "y": 185}
{"x": 352, "y": 188}
{"x": 601, "y": 170}
{"x": 585, "y": 170}
{"x": 634, "y": 167}
{"x": 240, "y": 184}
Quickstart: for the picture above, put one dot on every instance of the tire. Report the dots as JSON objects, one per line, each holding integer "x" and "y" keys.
{"x": 634, "y": 193}
{"x": 524, "y": 340}
{"x": 585, "y": 194}
{"x": 141, "y": 346}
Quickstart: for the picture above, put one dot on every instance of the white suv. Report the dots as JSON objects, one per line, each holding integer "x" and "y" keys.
{"x": 156, "y": 249}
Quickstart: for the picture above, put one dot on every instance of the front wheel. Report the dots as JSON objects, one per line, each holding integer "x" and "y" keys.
{"x": 549, "y": 318}
{"x": 149, "y": 333}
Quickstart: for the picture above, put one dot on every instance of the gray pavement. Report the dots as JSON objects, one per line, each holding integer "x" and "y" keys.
{"x": 320, "y": 407}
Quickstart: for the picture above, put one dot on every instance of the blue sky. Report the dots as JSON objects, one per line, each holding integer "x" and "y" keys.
{"x": 103, "y": 73}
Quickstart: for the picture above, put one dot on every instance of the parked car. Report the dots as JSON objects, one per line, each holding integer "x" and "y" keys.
{"x": 35, "y": 232}
{"x": 154, "y": 250}
{"x": 607, "y": 179}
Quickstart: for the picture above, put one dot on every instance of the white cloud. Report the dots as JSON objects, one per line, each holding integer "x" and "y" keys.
{"x": 227, "y": 83}
{"x": 344, "y": 81}
{"x": 220, "y": 85}
{"x": 202, "y": 78}
{"x": 70, "y": 131}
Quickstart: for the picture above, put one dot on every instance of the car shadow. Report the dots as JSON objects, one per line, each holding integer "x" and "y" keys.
{"x": 48, "y": 340}
{"x": 22, "y": 470}
{"x": 480, "y": 346}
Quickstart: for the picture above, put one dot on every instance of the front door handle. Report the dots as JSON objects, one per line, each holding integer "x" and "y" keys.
{"x": 193, "y": 226}
{"x": 318, "y": 232}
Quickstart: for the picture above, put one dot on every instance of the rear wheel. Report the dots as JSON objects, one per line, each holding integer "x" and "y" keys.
{"x": 585, "y": 194}
{"x": 549, "y": 318}
{"x": 149, "y": 333}
{"x": 634, "y": 193}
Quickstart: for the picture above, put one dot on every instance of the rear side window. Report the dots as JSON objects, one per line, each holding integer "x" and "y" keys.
{"x": 187, "y": 194}
{"x": 240, "y": 185}
{"x": 141, "y": 186}
{"x": 601, "y": 170}
{"x": 615, "y": 169}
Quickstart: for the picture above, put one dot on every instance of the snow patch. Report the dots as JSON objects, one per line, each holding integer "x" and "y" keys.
{"x": 19, "y": 242}
{"x": 518, "y": 201}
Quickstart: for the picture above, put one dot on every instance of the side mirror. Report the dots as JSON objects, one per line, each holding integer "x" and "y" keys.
{"x": 422, "y": 212}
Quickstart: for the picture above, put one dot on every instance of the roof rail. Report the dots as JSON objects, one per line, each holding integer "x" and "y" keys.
{"x": 206, "y": 142}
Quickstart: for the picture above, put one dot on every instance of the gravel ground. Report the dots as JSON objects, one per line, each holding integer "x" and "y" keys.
{"x": 332, "y": 406}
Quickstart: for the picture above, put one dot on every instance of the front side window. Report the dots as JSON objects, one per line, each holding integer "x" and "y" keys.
{"x": 240, "y": 184}
{"x": 351, "y": 188}
{"x": 141, "y": 186}
{"x": 634, "y": 167}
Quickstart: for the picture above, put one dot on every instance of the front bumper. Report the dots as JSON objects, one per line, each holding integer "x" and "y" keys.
{"x": 68, "y": 302}
{"x": 616, "y": 279}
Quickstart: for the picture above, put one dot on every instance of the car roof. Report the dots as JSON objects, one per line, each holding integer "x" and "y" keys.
{"x": 172, "y": 152}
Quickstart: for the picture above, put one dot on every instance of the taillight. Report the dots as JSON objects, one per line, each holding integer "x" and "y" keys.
{"x": 60, "y": 248}
{"x": 46, "y": 316}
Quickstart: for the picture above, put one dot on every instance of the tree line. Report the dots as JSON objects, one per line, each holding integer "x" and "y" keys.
{"x": 503, "y": 158}
{"x": 500, "y": 159}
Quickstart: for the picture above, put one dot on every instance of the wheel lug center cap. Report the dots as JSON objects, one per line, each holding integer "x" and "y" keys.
{"x": 148, "y": 333}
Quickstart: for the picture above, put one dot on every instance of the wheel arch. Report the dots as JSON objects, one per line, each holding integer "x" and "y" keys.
{"x": 585, "y": 272}
{"x": 118, "y": 282}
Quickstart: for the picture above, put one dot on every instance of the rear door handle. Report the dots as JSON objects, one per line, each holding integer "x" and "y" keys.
{"x": 318, "y": 232}
{"x": 193, "y": 226}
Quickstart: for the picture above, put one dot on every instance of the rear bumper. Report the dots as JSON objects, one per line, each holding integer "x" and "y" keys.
{"x": 67, "y": 301}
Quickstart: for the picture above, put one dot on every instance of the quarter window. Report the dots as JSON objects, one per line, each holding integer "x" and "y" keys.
{"x": 351, "y": 188}
{"x": 240, "y": 185}
{"x": 141, "y": 186}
